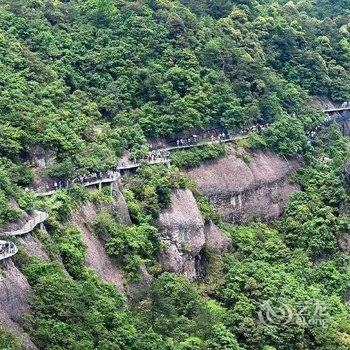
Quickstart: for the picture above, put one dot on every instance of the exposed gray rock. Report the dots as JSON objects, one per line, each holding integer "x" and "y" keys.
{"x": 138, "y": 288}
{"x": 182, "y": 234}
{"x": 96, "y": 256}
{"x": 344, "y": 243}
{"x": 33, "y": 246}
{"x": 243, "y": 185}
{"x": 40, "y": 157}
{"x": 14, "y": 294}
{"x": 322, "y": 102}
{"x": 216, "y": 240}
{"x": 120, "y": 206}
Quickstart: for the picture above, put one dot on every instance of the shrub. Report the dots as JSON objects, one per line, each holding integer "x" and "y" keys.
{"x": 194, "y": 157}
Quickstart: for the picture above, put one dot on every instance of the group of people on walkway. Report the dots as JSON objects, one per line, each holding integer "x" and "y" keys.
{"x": 217, "y": 135}
{"x": 345, "y": 104}
{"x": 85, "y": 179}
{"x": 220, "y": 137}
{"x": 93, "y": 177}
{"x": 212, "y": 136}
{"x": 160, "y": 155}
{"x": 189, "y": 141}
{"x": 254, "y": 128}
{"x": 154, "y": 156}
{"x": 6, "y": 248}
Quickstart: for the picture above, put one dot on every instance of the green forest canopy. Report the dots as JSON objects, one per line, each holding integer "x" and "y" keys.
{"x": 91, "y": 78}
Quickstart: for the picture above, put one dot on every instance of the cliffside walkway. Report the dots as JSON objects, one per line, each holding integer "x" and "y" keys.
{"x": 139, "y": 163}
{"x": 162, "y": 155}
{"x": 110, "y": 177}
{"x": 334, "y": 110}
{"x": 113, "y": 175}
{"x": 159, "y": 156}
{"x": 86, "y": 182}
{"x": 207, "y": 143}
{"x": 39, "y": 218}
{"x": 7, "y": 249}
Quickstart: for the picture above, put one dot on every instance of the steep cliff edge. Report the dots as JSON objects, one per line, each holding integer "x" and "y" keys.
{"x": 14, "y": 295}
{"x": 96, "y": 256}
{"x": 245, "y": 185}
{"x": 17, "y": 224}
{"x": 14, "y": 287}
{"x": 33, "y": 247}
{"x": 184, "y": 235}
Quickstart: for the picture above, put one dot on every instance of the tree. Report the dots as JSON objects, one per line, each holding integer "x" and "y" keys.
{"x": 222, "y": 339}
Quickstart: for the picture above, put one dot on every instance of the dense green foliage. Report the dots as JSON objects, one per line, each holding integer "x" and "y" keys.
{"x": 89, "y": 79}
{"x": 175, "y": 309}
{"x": 8, "y": 342}
{"x": 196, "y": 156}
{"x": 83, "y": 314}
{"x": 295, "y": 263}
{"x": 265, "y": 269}
{"x": 132, "y": 246}
{"x": 316, "y": 217}
{"x": 149, "y": 191}
{"x": 146, "y": 193}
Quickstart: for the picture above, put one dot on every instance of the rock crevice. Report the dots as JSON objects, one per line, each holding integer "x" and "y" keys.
{"x": 184, "y": 235}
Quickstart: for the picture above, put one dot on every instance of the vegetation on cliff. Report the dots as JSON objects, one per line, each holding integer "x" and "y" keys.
{"x": 89, "y": 79}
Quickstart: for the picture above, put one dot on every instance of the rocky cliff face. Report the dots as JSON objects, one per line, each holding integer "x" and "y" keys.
{"x": 14, "y": 294}
{"x": 15, "y": 225}
{"x": 14, "y": 287}
{"x": 96, "y": 256}
{"x": 184, "y": 236}
{"x": 216, "y": 240}
{"x": 246, "y": 185}
{"x": 33, "y": 247}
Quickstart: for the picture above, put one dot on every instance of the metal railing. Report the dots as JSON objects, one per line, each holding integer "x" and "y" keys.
{"x": 144, "y": 161}
{"x": 94, "y": 182}
{"x": 39, "y": 217}
{"x": 339, "y": 109}
{"x": 7, "y": 252}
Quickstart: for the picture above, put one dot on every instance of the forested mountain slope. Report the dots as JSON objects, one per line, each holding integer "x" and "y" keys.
{"x": 89, "y": 80}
